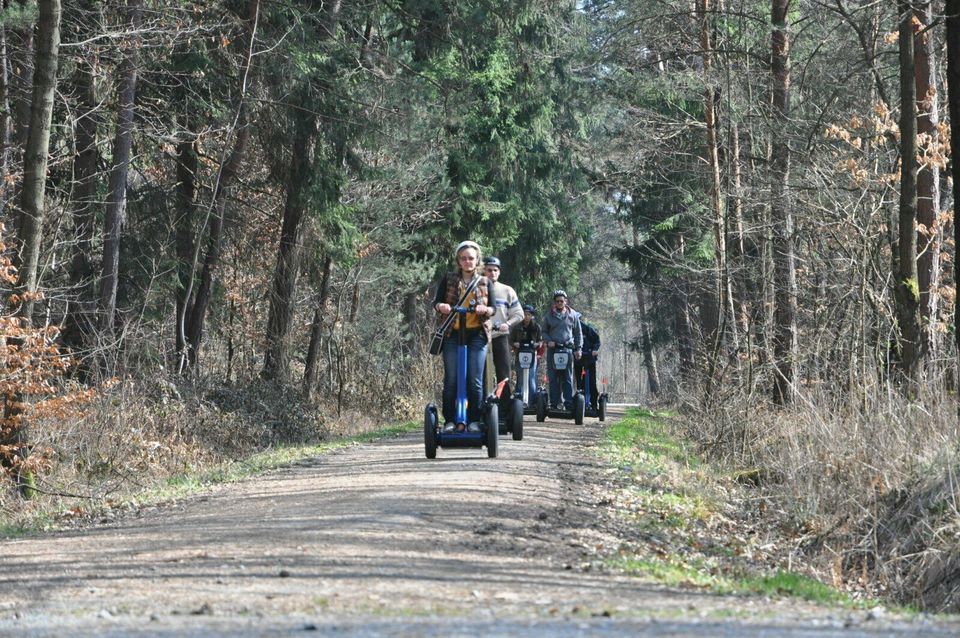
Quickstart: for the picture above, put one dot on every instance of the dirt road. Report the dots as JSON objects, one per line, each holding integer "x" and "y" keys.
{"x": 376, "y": 540}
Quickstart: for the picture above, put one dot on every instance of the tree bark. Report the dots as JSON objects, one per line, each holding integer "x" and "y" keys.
{"x": 952, "y": 10}
{"x": 277, "y": 355}
{"x": 82, "y": 273}
{"x": 316, "y": 330}
{"x": 928, "y": 177}
{"x": 6, "y": 123}
{"x": 117, "y": 184}
{"x": 785, "y": 278}
{"x": 32, "y": 203}
{"x": 186, "y": 212}
{"x": 714, "y": 299}
{"x": 223, "y": 188}
{"x": 906, "y": 291}
{"x": 646, "y": 346}
{"x": 36, "y": 153}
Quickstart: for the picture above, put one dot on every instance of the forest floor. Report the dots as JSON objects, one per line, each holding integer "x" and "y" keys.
{"x": 376, "y": 540}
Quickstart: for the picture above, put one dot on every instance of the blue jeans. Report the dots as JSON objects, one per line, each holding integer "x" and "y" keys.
{"x": 563, "y": 386}
{"x": 476, "y": 357}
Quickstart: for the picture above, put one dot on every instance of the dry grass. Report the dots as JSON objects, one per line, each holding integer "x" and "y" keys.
{"x": 868, "y": 489}
{"x": 139, "y": 434}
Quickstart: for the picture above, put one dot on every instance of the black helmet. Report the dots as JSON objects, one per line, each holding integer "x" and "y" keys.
{"x": 530, "y": 309}
{"x": 560, "y": 293}
{"x": 491, "y": 261}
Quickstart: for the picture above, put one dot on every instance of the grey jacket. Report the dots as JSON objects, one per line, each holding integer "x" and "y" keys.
{"x": 563, "y": 328}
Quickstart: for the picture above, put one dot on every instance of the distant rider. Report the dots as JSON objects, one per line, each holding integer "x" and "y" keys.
{"x": 528, "y": 330}
{"x": 588, "y": 362}
{"x": 561, "y": 326}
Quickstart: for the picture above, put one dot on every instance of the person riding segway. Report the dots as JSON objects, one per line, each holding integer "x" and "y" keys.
{"x": 561, "y": 331}
{"x": 463, "y": 310}
{"x": 585, "y": 372}
{"x": 526, "y": 339}
{"x": 508, "y": 313}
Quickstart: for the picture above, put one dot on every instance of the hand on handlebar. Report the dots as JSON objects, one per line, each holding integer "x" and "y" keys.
{"x": 443, "y": 308}
{"x": 480, "y": 309}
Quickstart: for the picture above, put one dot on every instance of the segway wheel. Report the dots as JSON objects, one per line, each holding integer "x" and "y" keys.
{"x": 602, "y": 407}
{"x": 430, "y": 431}
{"x": 579, "y": 408}
{"x": 516, "y": 418}
{"x": 493, "y": 433}
{"x": 541, "y": 407}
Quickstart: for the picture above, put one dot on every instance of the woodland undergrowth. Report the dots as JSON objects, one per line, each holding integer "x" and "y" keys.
{"x": 138, "y": 435}
{"x": 868, "y": 486}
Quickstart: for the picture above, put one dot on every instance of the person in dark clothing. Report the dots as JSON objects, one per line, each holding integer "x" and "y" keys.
{"x": 527, "y": 330}
{"x": 588, "y": 361}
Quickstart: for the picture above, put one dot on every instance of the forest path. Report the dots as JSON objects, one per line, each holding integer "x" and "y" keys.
{"x": 376, "y": 540}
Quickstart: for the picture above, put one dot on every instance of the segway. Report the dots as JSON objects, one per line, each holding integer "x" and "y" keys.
{"x": 526, "y": 357}
{"x": 433, "y": 434}
{"x": 562, "y": 362}
{"x": 601, "y": 411}
{"x": 511, "y": 421}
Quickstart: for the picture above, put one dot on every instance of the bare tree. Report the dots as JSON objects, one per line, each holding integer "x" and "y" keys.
{"x": 952, "y": 10}
{"x": 928, "y": 175}
{"x": 781, "y": 215}
{"x": 906, "y": 290}
{"x": 117, "y": 186}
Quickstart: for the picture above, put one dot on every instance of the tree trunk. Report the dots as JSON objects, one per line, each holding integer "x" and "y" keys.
{"x": 928, "y": 178}
{"x": 714, "y": 299}
{"x": 224, "y": 187}
{"x": 80, "y": 314}
{"x": 36, "y": 152}
{"x": 117, "y": 184}
{"x": 32, "y": 202}
{"x": 785, "y": 278}
{"x": 646, "y": 346}
{"x": 186, "y": 217}
{"x": 316, "y": 331}
{"x": 906, "y": 290}
{"x": 952, "y": 9}
{"x": 22, "y": 63}
{"x": 277, "y": 355}
{"x": 6, "y": 123}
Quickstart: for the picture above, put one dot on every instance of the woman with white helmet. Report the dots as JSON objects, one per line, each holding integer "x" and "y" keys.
{"x": 476, "y": 326}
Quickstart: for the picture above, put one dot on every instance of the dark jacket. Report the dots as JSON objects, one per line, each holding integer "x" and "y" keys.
{"x": 591, "y": 340}
{"x": 520, "y": 333}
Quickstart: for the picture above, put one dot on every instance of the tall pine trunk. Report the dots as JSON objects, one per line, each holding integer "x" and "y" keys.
{"x": 781, "y": 215}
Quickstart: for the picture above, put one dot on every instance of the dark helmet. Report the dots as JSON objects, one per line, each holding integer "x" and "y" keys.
{"x": 530, "y": 309}
{"x": 492, "y": 261}
{"x": 560, "y": 293}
